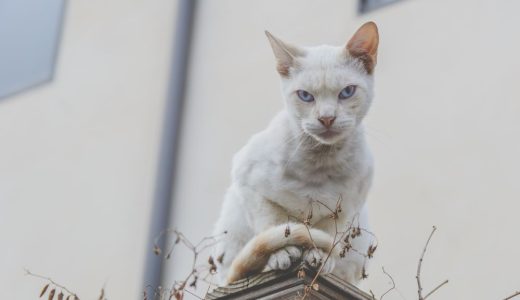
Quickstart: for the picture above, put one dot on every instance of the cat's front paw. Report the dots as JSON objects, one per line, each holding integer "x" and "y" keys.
{"x": 316, "y": 257}
{"x": 284, "y": 258}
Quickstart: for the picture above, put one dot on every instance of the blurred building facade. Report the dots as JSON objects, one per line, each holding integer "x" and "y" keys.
{"x": 443, "y": 129}
{"x": 78, "y": 154}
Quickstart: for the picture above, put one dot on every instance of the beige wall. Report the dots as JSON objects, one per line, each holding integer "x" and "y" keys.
{"x": 78, "y": 155}
{"x": 444, "y": 129}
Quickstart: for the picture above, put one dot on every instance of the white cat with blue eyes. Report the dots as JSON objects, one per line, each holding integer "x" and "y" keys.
{"x": 314, "y": 150}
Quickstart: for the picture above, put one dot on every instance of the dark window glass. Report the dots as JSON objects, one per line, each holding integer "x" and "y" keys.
{"x": 369, "y": 5}
{"x": 29, "y": 36}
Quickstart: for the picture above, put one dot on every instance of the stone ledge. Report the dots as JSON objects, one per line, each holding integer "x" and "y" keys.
{"x": 287, "y": 285}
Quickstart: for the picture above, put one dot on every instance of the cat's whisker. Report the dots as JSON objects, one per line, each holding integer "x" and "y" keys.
{"x": 292, "y": 138}
{"x": 374, "y": 134}
{"x": 293, "y": 153}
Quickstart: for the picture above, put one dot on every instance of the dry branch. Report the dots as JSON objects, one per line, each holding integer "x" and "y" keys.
{"x": 49, "y": 283}
{"x": 198, "y": 272}
{"x": 517, "y": 293}
{"x": 340, "y": 238}
{"x": 393, "y": 284}
{"x": 419, "y": 265}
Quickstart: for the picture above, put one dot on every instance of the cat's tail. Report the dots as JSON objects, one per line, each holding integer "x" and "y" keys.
{"x": 255, "y": 254}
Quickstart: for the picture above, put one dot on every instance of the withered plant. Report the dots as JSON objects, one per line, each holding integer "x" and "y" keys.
{"x": 342, "y": 242}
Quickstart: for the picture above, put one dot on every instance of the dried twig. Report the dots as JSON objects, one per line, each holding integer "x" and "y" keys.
{"x": 393, "y": 284}
{"x": 198, "y": 272}
{"x": 102, "y": 294}
{"x": 352, "y": 231}
{"x": 419, "y": 265}
{"x": 339, "y": 237}
{"x": 51, "y": 282}
{"x": 435, "y": 289}
{"x": 517, "y": 293}
{"x": 372, "y": 295}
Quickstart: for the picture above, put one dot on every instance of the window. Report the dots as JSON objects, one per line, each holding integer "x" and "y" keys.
{"x": 29, "y": 36}
{"x": 366, "y": 6}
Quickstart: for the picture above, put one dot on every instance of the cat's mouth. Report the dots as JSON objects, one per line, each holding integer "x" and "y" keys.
{"x": 327, "y": 134}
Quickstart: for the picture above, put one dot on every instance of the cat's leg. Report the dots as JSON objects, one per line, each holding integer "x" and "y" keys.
{"x": 268, "y": 214}
{"x": 350, "y": 267}
{"x": 284, "y": 258}
{"x": 316, "y": 257}
{"x": 232, "y": 231}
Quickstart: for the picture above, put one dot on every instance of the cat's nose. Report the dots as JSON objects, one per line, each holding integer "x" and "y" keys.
{"x": 327, "y": 121}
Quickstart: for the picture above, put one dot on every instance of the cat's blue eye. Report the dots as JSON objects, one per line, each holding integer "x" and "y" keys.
{"x": 305, "y": 96}
{"x": 347, "y": 92}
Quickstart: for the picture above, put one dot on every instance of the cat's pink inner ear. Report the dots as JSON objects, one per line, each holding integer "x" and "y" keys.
{"x": 363, "y": 45}
{"x": 284, "y": 53}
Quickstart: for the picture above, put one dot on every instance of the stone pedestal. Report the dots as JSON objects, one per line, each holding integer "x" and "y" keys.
{"x": 291, "y": 284}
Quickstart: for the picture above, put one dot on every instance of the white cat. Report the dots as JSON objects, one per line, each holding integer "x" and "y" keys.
{"x": 314, "y": 150}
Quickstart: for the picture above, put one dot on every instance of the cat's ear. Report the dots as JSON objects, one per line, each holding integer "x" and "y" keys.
{"x": 284, "y": 53}
{"x": 363, "y": 45}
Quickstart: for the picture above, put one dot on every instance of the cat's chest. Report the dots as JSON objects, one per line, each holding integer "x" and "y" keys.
{"x": 298, "y": 191}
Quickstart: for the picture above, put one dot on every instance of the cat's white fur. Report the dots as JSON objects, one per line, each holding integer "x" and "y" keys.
{"x": 285, "y": 169}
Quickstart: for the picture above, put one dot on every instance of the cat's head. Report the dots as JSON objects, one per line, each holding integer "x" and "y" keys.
{"x": 328, "y": 90}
